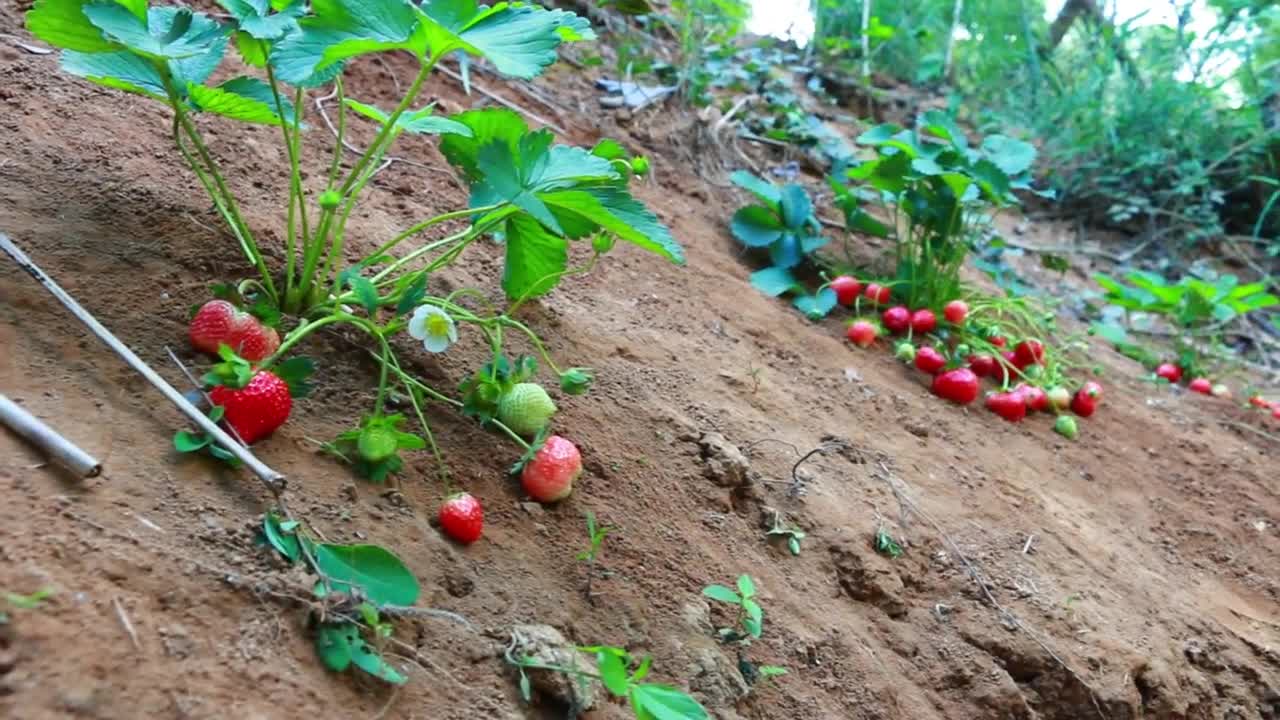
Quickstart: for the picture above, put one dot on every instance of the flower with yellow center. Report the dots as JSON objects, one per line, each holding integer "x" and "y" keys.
{"x": 434, "y": 327}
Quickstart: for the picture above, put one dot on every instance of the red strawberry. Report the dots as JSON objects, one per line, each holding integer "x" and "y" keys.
{"x": 218, "y": 322}
{"x": 846, "y": 289}
{"x": 862, "y": 333}
{"x": 923, "y": 321}
{"x": 1260, "y": 402}
{"x": 257, "y": 409}
{"x": 1200, "y": 385}
{"x": 1011, "y": 406}
{"x": 998, "y": 341}
{"x": 896, "y": 319}
{"x": 549, "y": 476}
{"x": 1036, "y": 398}
{"x": 462, "y": 518}
{"x": 1275, "y": 412}
{"x": 958, "y": 386}
{"x": 876, "y": 293}
{"x": 1169, "y": 372}
{"x": 983, "y": 365}
{"x": 1085, "y": 402}
{"x": 955, "y": 312}
{"x": 1028, "y": 352}
{"x": 930, "y": 360}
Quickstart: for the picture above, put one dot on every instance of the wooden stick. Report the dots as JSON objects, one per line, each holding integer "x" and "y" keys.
{"x": 58, "y": 448}
{"x": 274, "y": 481}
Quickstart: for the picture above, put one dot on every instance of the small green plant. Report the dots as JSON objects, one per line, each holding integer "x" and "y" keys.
{"x": 885, "y": 544}
{"x": 935, "y": 188}
{"x": 595, "y": 536}
{"x": 355, "y": 586}
{"x": 782, "y": 223}
{"x": 793, "y": 535}
{"x": 1190, "y": 302}
{"x": 749, "y": 623}
{"x": 16, "y": 601}
{"x": 622, "y": 675}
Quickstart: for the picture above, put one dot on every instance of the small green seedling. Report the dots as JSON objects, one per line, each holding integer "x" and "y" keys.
{"x": 886, "y": 545}
{"x": 793, "y": 535}
{"x": 14, "y": 601}
{"x": 596, "y": 534}
{"x": 750, "y": 621}
{"x": 621, "y": 674}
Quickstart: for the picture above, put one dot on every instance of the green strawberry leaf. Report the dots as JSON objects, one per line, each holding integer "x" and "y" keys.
{"x": 366, "y": 293}
{"x": 615, "y": 211}
{"x": 756, "y": 226}
{"x": 613, "y": 673}
{"x": 335, "y": 643}
{"x": 722, "y": 593}
{"x": 296, "y": 372}
{"x": 256, "y": 22}
{"x": 532, "y": 450}
{"x": 374, "y": 570}
{"x": 535, "y": 258}
{"x": 372, "y": 662}
{"x": 519, "y": 39}
{"x": 63, "y": 24}
{"x": 746, "y": 586}
{"x": 119, "y": 70}
{"x": 413, "y": 294}
{"x": 343, "y": 29}
{"x": 418, "y": 122}
{"x": 233, "y": 372}
{"x": 185, "y": 441}
{"x": 243, "y": 98}
{"x": 660, "y": 702}
{"x": 284, "y": 541}
{"x": 773, "y": 281}
{"x": 165, "y": 34}
{"x": 816, "y": 307}
{"x": 797, "y": 209}
{"x": 767, "y": 192}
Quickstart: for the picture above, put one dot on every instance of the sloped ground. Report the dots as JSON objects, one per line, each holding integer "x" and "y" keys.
{"x": 1148, "y": 588}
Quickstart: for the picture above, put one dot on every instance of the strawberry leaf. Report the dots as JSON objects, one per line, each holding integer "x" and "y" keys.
{"x": 533, "y": 449}
{"x": 295, "y": 372}
{"x": 185, "y": 441}
{"x": 165, "y": 34}
{"x": 519, "y": 39}
{"x": 413, "y": 294}
{"x": 661, "y": 702}
{"x": 418, "y": 122}
{"x": 367, "y": 293}
{"x": 118, "y": 70}
{"x": 243, "y": 98}
{"x": 374, "y": 570}
{"x": 63, "y": 24}
{"x": 343, "y": 29}
{"x": 535, "y": 258}
{"x": 284, "y": 541}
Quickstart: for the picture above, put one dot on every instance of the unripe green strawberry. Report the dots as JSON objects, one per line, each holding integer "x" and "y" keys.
{"x": 377, "y": 443}
{"x": 330, "y": 199}
{"x": 1066, "y": 427}
{"x": 526, "y": 409}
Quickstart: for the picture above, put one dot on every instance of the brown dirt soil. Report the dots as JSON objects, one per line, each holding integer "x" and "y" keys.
{"x": 1149, "y": 587}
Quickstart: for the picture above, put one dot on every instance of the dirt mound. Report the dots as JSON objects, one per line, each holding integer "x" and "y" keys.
{"x": 1134, "y": 573}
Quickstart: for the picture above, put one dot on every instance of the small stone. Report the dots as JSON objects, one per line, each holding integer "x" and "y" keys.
{"x": 533, "y": 508}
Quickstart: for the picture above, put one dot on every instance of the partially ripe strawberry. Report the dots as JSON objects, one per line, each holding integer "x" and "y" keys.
{"x": 846, "y": 289}
{"x": 1059, "y": 397}
{"x": 959, "y": 386}
{"x": 257, "y": 409}
{"x": 1028, "y": 352}
{"x": 1009, "y": 405}
{"x": 955, "y": 312}
{"x": 1169, "y": 372}
{"x": 862, "y": 333}
{"x": 1220, "y": 390}
{"x": 526, "y": 408}
{"x": 218, "y": 322}
{"x": 983, "y": 365}
{"x": 549, "y": 476}
{"x": 923, "y": 321}
{"x": 256, "y": 343}
{"x": 930, "y": 360}
{"x": 462, "y": 518}
{"x": 896, "y": 319}
{"x": 1200, "y": 385}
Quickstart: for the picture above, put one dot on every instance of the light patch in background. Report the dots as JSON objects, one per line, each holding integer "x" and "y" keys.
{"x": 783, "y": 19}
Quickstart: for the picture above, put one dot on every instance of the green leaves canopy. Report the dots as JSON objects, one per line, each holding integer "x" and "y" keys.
{"x": 557, "y": 193}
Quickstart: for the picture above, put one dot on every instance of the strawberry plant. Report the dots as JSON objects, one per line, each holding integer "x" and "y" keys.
{"x": 356, "y": 585}
{"x": 749, "y": 623}
{"x": 536, "y": 197}
{"x": 782, "y": 224}
{"x": 595, "y": 537}
{"x": 622, "y": 675}
{"x": 935, "y": 188}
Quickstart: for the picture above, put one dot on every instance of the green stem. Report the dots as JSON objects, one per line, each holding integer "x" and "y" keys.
{"x": 296, "y": 336}
{"x": 342, "y": 132}
{"x": 419, "y": 253}
{"x": 430, "y": 392}
{"x": 387, "y": 246}
{"x": 295, "y": 187}
{"x": 426, "y": 429}
{"x": 533, "y": 338}
{"x": 382, "y": 376}
{"x": 389, "y": 126}
{"x": 556, "y": 277}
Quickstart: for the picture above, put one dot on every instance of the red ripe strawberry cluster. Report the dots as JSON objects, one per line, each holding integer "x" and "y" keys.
{"x": 959, "y": 379}
{"x": 257, "y": 409}
{"x": 1174, "y": 374}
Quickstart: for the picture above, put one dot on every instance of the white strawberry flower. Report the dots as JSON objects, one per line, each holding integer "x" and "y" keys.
{"x": 434, "y": 327}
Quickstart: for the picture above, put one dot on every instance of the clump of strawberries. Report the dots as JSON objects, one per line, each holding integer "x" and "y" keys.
{"x": 936, "y": 347}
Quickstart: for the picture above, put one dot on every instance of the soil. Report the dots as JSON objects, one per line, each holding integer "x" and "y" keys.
{"x": 1133, "y": 573}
